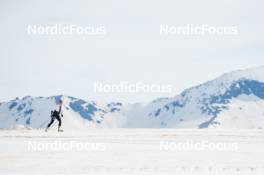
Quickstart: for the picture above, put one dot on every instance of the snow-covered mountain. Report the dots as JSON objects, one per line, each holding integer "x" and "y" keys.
{"x": 234, "y": 100}
{"x": 35, "y": 112}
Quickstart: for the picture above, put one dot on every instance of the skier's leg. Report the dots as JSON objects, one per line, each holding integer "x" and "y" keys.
{"x": 50, "y": 123}
{"x": 59, "y": 125}
{"x": 59, "y": 119}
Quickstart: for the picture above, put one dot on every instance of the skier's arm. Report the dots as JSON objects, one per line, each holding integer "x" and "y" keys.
{"x": 61, "y": 113}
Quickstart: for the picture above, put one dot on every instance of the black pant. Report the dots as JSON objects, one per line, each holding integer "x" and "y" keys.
{"x": 54, "y": 116}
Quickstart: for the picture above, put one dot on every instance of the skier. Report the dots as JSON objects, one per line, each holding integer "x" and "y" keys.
{"x": 56, "y": 114}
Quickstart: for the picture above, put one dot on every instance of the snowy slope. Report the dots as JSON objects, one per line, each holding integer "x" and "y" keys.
{"x": 134, "y": 152}
{"x": 234, "y": 100}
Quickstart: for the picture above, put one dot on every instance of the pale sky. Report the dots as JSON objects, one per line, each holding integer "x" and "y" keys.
{"x": 132, "y": 49}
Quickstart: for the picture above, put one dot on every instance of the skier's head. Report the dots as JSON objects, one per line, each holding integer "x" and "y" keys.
{"x": 60, "y": 102}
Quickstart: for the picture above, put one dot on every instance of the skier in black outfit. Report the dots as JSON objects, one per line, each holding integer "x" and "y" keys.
{"x": 56, "y": 114}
